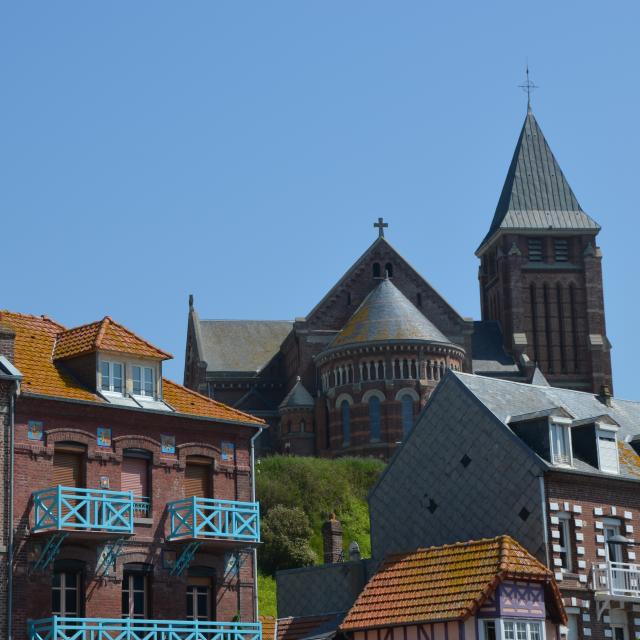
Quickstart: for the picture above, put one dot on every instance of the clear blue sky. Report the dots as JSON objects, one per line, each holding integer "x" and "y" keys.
{"x": 241, "y": 151}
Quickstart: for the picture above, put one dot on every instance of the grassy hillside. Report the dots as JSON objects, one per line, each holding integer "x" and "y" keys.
{"x": 319, "y": 487}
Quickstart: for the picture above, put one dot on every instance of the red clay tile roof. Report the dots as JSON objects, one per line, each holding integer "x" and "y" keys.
{"x": 105, "y": 335}
{"x": 296, "y": 628}
{"x": 269, "y": 625}
{"x": 445, "y": 583}
{"x": 35, "y": 340}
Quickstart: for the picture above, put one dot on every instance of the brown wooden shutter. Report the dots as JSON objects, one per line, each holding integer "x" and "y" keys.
{"x": 134, "y": 476}
{"x": 196, "y": 480}
{"x": 67, "y": 468}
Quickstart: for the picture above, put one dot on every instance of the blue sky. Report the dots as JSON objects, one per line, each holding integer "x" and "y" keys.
{"x": 241, "y": 151}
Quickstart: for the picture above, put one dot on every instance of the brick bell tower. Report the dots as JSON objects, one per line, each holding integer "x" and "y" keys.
{"x": 541, "y": 271}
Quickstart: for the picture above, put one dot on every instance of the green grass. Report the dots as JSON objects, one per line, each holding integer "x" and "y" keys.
{"x": 267, "y": 595}
{"x": 321, "y": 486}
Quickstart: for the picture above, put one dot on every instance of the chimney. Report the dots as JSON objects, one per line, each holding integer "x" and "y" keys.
{"x": 7, "y": 342}
{"x": 605, "y": 395}
{"x": 332, "y": 540}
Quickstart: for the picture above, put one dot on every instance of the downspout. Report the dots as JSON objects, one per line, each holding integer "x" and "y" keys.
{"x": 12, "y": 395}
{"x": 545, "y": 526}
{"x": 253, "y": 499}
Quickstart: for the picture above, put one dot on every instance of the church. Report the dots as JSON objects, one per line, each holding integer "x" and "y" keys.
{"x": 351, "y": 376}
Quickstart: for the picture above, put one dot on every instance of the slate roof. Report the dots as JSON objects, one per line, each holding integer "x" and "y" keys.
{"x": 35, "y": 339}
{"x": 507, "y": 399}
{"x": 297, "y": 397}
{"x": 450, "y": 582}
{"x": 241, "y": 345}
{"x": 386, "y": 314}
{"x": 488, "y": 354}
{"x": 536, "y": 194}
{"x": 105, "y": 335}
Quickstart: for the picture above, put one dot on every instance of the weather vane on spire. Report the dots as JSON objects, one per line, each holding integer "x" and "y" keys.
{"x": 528, "y": 87}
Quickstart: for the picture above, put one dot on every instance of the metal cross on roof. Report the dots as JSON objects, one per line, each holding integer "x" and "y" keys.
{"x": 528, "y": 87}
{"x": 381, "y": 225}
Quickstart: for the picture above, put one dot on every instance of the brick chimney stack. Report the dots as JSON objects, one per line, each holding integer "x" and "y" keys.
{"x": 332, "y": 540}
{"x": 7, "y": 342}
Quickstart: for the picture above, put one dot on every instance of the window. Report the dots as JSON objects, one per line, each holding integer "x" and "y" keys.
{"x": 565, "y": 543}
{"x": 302, "y": 426}
{"x": 522, "y": 630}
{"x": 134, "y": 595}
{"x": 535, "y": 250}
{"x": 134, "y": 477}
{"x": 560, "y": 444}
{"x": 608, "y": 451}
{"x": 346, "y": 422}
{"x": 619, "y": 634}
{"x": 65, "y": 594}
{"x": 407, "y": 413}
{"x": 613, "y": 549}
{"x": 142, "y": 381}
{"x": 388, "y": 269}
{"x": 561, "y": 250}
{"x": 489, "y": 628}
{"x": 111, "y": 374}
{"x": 374, "y": 418}
{"x": 199, "y": 598}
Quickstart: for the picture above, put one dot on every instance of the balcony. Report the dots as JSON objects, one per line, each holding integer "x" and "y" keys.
{"x": 208, "y": 519}
{"x": 617, "y": 579}
{"x": 75, "y": 509}
{"x": 57, "y": 628}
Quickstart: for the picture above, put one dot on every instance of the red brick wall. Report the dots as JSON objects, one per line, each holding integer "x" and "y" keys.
{"x": 130, "y": 429}
{"x": 589, "y": 501}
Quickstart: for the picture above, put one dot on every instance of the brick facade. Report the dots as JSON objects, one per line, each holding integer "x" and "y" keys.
{"x": 229, "y": 480}
{"x": 550, "y": 311}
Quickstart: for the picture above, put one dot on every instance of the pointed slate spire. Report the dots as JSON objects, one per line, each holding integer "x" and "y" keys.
{"x": 536, "y": 194}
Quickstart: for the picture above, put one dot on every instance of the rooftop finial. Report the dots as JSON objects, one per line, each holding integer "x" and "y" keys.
{"x": 381, "y": 225}
{"x": 528, "y": 87}
{"x": 191, "y": 301}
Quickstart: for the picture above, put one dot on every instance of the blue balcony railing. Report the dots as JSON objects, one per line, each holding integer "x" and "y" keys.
{"x": 57, "y": 628}
{"x": 205, "y": 518}
{"x": 73, "y": 508}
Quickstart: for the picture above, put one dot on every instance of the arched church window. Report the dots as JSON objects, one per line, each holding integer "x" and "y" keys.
{"x": 407, "y": 414}
{"x": 376, "y": 270}
{"x": 388, "y": 269}
{"x": 346, "y": 423}
{"x": 374, "y": 418}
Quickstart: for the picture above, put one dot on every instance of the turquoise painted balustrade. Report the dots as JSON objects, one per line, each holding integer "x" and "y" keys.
{"x": 73, "y": 508}
{"x": 57, "y": 628}
{"x": 206, "y": 518}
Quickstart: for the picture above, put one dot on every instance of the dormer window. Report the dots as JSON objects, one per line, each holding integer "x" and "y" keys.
{"x": 111, "y": 374}
{"x": 560, "y": 438}
{"x": 142, "y": 379}
{"x": 607, "y": 450}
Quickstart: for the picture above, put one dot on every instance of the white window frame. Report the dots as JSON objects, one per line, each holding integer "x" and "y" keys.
{"x": 500, "y": 626}
{"x": 562, "y": 426}
{"x": 607, "y": 431}
{"x": 564, "y": 524}
{"x": 123, "y": 379}
{"x": 143, "y": 393}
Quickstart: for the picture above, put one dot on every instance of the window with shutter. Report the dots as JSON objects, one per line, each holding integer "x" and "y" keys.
{"x": 608, "y": 452}
{"x": 134, "y": 476}
{"x": 67, "y": 468}
{"x": 196, "y": 480}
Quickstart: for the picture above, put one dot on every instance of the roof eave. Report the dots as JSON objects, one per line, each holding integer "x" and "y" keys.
{"x": 373, "y": 343}
{"x": 108, "y": 405}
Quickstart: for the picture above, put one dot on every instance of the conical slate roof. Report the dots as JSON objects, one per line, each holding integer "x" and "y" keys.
{"x": 297, "y": 397}
{"x": 536, "y": 194}
{"x": 387, "y": 315}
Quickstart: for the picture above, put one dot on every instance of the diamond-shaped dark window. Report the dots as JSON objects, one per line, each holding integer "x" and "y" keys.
{"x": 465, "y": 461}
{"x": 524, "y": 513}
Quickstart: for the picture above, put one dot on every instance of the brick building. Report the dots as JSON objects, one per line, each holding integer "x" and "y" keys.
{"x": 133, "y": 504}
{"x": 371, "y": 351}
{"x": 556, "y": 469}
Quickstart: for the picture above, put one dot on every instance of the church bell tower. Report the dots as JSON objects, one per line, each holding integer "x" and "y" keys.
{"x": 541, "y": 271}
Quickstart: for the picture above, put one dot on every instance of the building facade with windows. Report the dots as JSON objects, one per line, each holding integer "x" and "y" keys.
{"x": 556, "y": 469}
{"x": 372, "y": 350}
{"x": 133, "y": 504}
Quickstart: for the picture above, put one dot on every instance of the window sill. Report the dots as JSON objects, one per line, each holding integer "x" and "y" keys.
{"x": 145, "y": 522}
